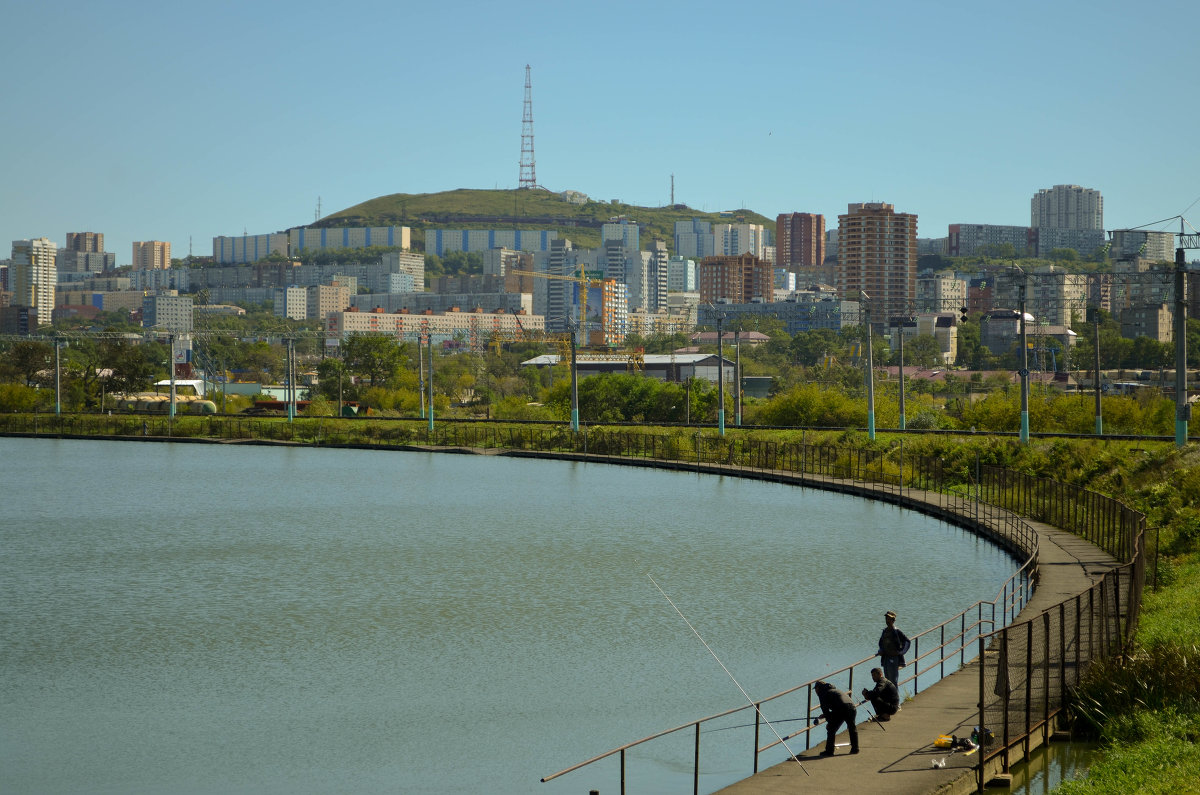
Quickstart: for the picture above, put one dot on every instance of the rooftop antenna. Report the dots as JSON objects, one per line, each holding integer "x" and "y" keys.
{"x": 317, "y": 216}
{"x": 528, "y": 167}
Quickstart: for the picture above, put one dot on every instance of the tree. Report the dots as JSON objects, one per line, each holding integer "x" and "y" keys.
{"x": 132, "y": 366}
{"x": 923, "y": 350}
{"x": 810, "y": 348}
{"x": 24, "y": 361}
{"x": 374, "y": 357}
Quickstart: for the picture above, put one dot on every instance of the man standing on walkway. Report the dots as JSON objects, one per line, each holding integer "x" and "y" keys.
{"x": 893, "y": 645}
{"x": 884, "y": 697}
{"x": 837, "y": 707}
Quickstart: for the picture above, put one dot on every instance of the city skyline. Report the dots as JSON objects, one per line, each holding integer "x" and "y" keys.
{"x": 262, "y": 110}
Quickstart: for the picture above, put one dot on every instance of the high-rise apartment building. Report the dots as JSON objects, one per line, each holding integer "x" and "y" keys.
{"x": 799, "y": 241}
{"x": 90, "y": 242}
{"x": 694, "y": 239}
{"x": 326, "y": 298}
{"x": 877, "y": 254}
{"x": 168, "y": 311}
{"x": 736, "y": 279}
{"x": 1067, "y": 207}
{"x": 33, "y": 276}
{"x": 732, "y": 239}
{"x": 626, "y": 232}
{"x": 150, "y": 255}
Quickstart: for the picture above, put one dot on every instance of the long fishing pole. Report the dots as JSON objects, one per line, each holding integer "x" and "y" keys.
{"x": 726, "y": 670}
{"x": 748, "y": 725}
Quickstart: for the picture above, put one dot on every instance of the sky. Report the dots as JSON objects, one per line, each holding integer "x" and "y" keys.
{"x": 186, "y": 121}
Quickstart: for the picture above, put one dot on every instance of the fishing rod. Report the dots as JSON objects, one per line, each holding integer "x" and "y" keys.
{"x": 814, "y": 721}
{"x": 726, "y": 670}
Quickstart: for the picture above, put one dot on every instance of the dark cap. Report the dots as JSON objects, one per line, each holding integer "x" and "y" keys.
{"x": 890, "y": 614}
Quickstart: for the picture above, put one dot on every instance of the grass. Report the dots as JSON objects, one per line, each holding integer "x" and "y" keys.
{"x": 1165, "y": 763}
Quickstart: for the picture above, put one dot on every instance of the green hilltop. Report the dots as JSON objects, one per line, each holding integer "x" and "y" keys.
{"x": 534, "y": 208}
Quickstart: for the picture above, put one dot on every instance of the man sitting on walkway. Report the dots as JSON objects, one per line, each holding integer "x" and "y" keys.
{"x": 884, "y": 697}
{"x": 837, "y": 707}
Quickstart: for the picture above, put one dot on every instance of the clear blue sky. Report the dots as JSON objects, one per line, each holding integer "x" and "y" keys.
{"x": 153, "y": 120}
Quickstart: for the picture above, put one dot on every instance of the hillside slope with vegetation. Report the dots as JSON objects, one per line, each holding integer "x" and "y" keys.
{"x": 467, "y": 208}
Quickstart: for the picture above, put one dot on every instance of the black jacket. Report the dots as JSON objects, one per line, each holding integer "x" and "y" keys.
{"x": 834, "y": 702}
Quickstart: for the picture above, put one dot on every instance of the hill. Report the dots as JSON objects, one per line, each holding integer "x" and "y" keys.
{"x": 524, "y": 209}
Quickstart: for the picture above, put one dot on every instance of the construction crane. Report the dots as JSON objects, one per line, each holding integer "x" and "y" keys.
{"x": 583, "y": 281}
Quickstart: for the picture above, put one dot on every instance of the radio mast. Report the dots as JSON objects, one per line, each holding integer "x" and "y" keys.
{"x": 528, "y": 167}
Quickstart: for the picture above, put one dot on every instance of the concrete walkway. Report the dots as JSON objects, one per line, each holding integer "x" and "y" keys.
{"x": 897, "y": 757}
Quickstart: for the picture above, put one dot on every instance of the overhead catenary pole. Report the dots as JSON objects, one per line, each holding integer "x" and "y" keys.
{"x": 866, "y": 314}
{"x": 291, "y": 376}
{"x": 1094, "y": 311}
{"x": 737, "y": 378}
{"x": 903, "y": 320}
{"x": 421, "y": 372}
{"x": 57, "y": 378}
{"x": 720, "y": 375}
{"x": 1024, "y": 371}
{"x": 171, "y": 364}
{"x": 1183, "y": 409}
{"x": 429, "y": 337}
{"x": 574, "y": 386}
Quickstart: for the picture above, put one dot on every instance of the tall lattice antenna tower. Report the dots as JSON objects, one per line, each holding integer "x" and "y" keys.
{"x": 528, "y": 167}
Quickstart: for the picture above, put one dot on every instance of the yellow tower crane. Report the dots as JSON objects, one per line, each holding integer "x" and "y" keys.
{"x": 583, "y": 281}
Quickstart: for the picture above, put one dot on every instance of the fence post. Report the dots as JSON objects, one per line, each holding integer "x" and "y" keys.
{"x": 1046, "y": 678}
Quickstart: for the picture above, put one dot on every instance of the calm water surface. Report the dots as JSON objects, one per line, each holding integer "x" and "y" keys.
{"x": 203, "y": 618}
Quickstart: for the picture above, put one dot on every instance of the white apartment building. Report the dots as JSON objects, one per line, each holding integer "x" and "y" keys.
{"x": 249, "y": 248}
{"x": 291, "y": 302}
{"x": 326, "y": 298}
{"x": 681, "y": 275}
{"x": 1143, "y": 244}
{"x": 731, "y": 240}
{"x": 941, "y": 292}
{"x": 334, "y": 238}
{"x": 1052, "y": 296}
{"x": 168, "y": 311}
{"x": 440, "y": 326}
{"x": 694, "y": 239}
{"x": 1067, "y": 207}
{"x": 32, "y": 276}
{"x": 441, "y": 241}
{"x": 410, "y": 262}
{"x": 625, "y": 231}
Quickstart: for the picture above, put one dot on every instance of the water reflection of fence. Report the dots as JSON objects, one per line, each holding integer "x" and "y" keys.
{"x": 1026, "y": 668}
